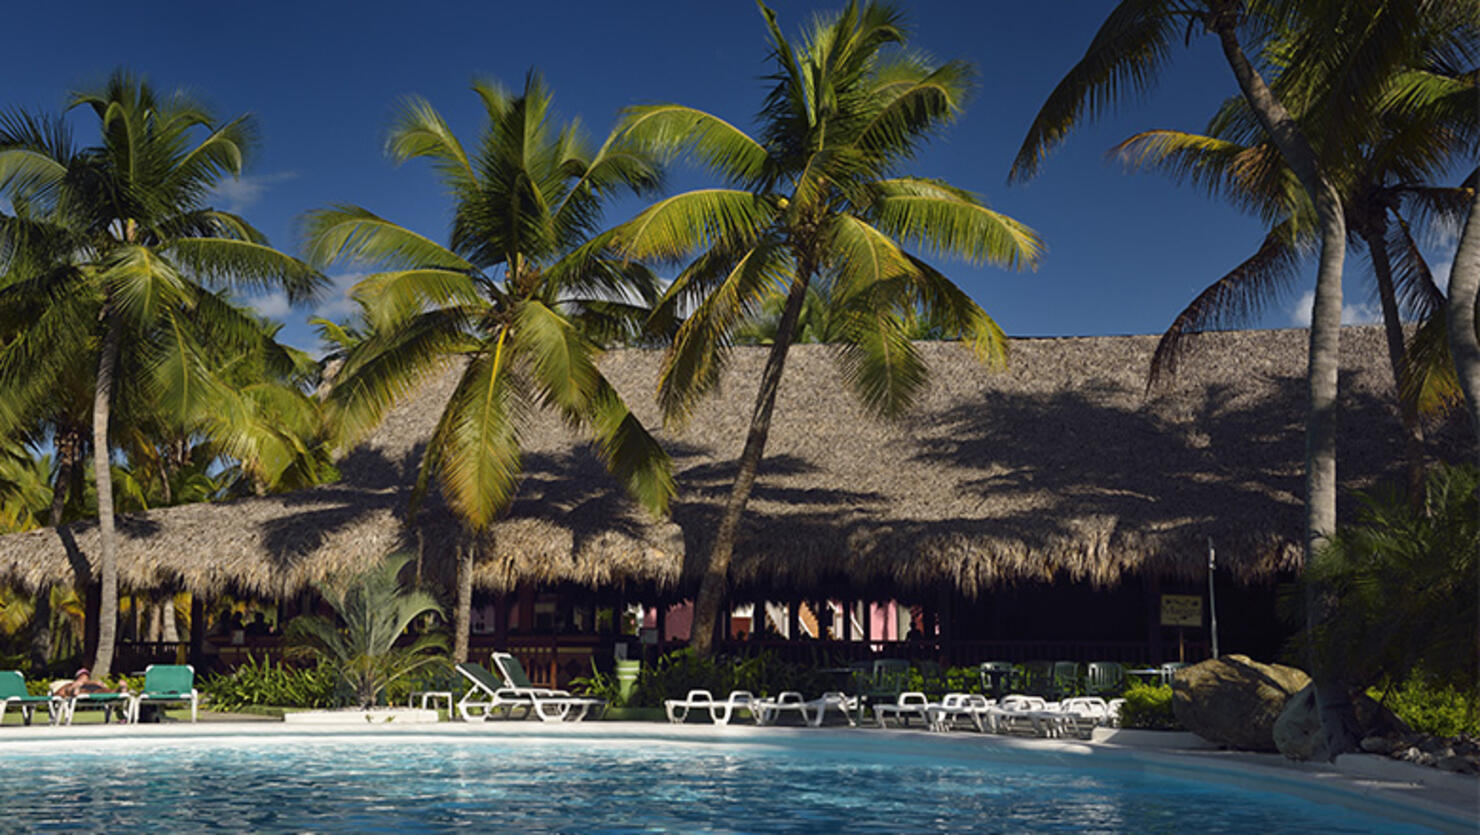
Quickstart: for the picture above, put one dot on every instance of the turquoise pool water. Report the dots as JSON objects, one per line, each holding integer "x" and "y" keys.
{"x": 369, "y": 784}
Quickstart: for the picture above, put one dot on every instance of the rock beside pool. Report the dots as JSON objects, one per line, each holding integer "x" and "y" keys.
{"x": 1234, "y": 700}
{"x": 1297, "y": 731}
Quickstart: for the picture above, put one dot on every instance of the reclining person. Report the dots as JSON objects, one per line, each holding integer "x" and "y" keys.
{"x": 84, "y": 683}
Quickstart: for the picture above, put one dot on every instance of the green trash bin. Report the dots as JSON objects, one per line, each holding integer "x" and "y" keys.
{"x": 627, "y": 678}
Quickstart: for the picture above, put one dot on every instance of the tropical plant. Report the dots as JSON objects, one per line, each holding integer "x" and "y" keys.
{"x": 518, "y": 304}
{"x": 144, "y": 253}
{"x": 1148, "y": 707}
{"x": 257, "y": 683}
{"x": 374, "y": 610}
{"x": 1404, "y": 579}
{"x": 816, "y": 200}
{"x": 1347, "y": 52}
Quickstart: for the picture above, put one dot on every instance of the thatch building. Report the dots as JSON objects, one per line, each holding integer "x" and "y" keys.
{"x": 1059, "y": 472}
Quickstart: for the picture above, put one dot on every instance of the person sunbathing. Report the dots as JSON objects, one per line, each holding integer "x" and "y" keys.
{"x": 84, "y": 683}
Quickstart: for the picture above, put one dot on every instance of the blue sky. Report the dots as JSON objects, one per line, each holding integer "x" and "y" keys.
{"x": 1126, "y": 251}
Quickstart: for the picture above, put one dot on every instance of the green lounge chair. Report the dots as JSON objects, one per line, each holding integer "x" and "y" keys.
{"x": 166, "y": 684}
{"x": 1065, "y": 680}
{"x": 1104, "y": 678}
{"x": 13, "y": 692}
{"x": 488, "y": 696}
{"x": 549, "y": 705}
{"x": 1035, "y": 678}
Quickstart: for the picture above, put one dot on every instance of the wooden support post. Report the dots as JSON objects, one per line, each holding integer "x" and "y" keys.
{"x": 850, "y": 607}
{"x": 661, "y": 621}
{"x": 198, "y": 633}
{"x": 947, "y": 625}
{"x": 1152, "y": 585}
{"x": 526, "y": 610}
{"x": 501, "y": 622}
{"x": 793, "y": 619}
{"x": 868, "y": 623}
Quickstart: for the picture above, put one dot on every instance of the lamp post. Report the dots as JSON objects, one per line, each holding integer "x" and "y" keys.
{"x": 1212, "y": 596}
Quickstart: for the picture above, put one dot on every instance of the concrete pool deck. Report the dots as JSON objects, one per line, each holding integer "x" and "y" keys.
{"x": 1450, "y": 802}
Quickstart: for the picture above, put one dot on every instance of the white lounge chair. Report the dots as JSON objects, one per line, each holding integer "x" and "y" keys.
{"x": 812, "y": 712}
{"x": 815, "y": 711}
{"x": 1086, "y": 713}
{"x": 909, "y": 703}
{"x": 1044, "y": 718}
{"x": 774, "y": 708}
{"x": 549, "y": 705}
{"x": 720, "y": 712}
{"x": 945, "y": 714}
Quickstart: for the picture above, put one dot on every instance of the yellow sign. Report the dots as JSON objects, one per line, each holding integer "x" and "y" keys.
{"x": 1181, "y": 610}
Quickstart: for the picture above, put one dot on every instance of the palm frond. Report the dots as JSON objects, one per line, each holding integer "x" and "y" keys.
{"x": 1124, "y": 59}
{"x": 350, "y": 233}
{"x": 684, "y": 223}
{"x": 671, "y": 130}
{"x": 1237, "y": 297}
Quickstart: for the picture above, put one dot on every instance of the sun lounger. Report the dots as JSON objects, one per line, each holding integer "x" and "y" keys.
{"x": 166, "y": 684}
{"x": 720, "y": 712}
{"x": 487, "y": 698}
{"x": 1086, "y": 713}
{"x": 946, "y": 713}
{"x": 1044, "y": 718}
{"x": 814, "y": 712}
{"x": 774, "y": 708}
{"x": 910, "y": 703}
{"x": 13, "y": 692}
{"x": 109, "y": 702}
{"x": 549, "y": 705}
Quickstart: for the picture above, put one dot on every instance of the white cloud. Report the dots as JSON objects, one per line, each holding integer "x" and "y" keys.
{"x": 272, "y": 305}
{"x": 1366, "y": 313}
{"x": 1440, "y": 264}
{"x": 239, "y": 194}
{"x": 335, "y": 304}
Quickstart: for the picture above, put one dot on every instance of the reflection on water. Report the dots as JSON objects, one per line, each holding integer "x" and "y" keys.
{"x": 526, "y": 785}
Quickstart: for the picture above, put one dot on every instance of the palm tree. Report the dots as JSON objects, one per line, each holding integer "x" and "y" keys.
{"x": 1384, "y": 180}
{"x": 145, "y": 250}
{"x": 375, "y": 609}
{"x": 816, "y": 199}
{"x": 1348, "y": 50}
{"x": 517, "y": 303}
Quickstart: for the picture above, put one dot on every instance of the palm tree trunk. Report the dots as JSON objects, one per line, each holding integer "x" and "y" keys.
{"x": 1338, "y": 717}
{"x": 169, "y": 629}
{"x": 67, "y": 444}
{"x": 1398, "y": 356}
{"x": 1464, "y": 287}
{"x": 1464, "y": 342}
{"x": 712, "y": 588}
{"x": 102, "y": 401}
{"x": 462, "y": 617}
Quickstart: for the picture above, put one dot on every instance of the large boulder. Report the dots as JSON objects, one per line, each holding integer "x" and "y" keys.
{"x": 1297, "y": 731}
{"x": 1234, "y": 700}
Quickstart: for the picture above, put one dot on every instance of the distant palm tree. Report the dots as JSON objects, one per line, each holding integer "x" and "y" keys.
{"x": 519, "y": 304}
{"x": 146, "y": 251}
{"x": 816, "y": 199}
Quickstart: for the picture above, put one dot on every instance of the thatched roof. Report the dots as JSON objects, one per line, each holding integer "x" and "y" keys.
{"x": 1058, "y": 467}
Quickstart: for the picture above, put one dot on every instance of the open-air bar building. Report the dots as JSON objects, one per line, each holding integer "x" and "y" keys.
{"x": 1039, "y": 511}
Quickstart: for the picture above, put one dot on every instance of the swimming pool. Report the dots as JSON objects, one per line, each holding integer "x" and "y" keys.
{"x": 430, "y": 781}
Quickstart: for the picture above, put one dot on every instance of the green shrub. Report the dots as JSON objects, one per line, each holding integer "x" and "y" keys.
{"x": 934, "y": 681}
{"x": 763, "y": 674}
{"x": 263, "y": 683}
{"x": 1432, "y": 708}
{"x": 1149, "y": 707}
